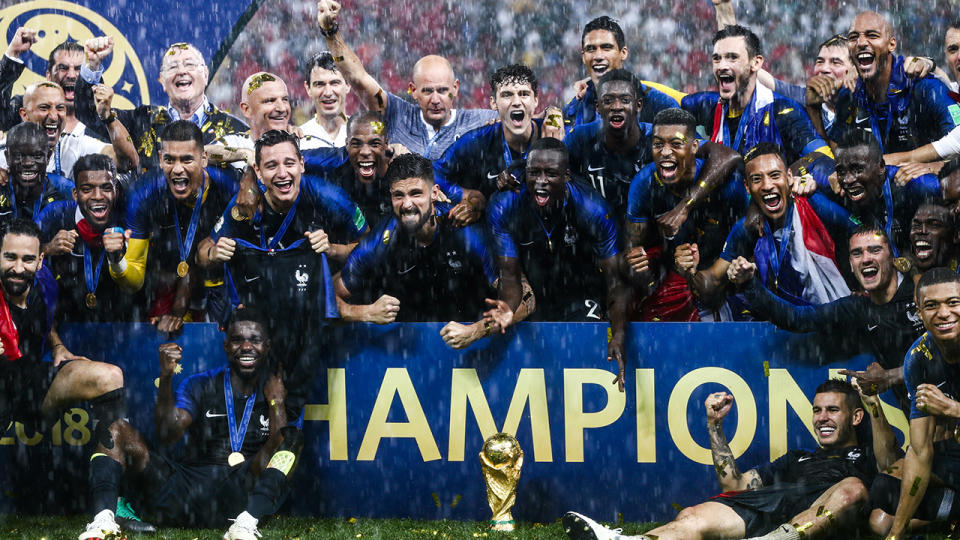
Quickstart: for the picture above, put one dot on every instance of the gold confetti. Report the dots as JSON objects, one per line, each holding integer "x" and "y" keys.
{"x": 377, "y": 127}
{"x": 766, "y": 368}
{"x": 258, "y": 80}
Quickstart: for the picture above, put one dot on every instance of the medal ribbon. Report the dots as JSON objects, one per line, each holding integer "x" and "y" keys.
{"x": 236, "y": 434}
{"x": 91, "y": 276}
{"x": 36, "y": 204}
{"x": 507, "y": 155}
{"x": 781, "y": 253}
{"x": 287, "y": 221}
{"x": 184, "y": 245}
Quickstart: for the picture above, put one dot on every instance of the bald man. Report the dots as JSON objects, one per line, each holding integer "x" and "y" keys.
{"x": 44, "y": 103}
{"x": 183, "y": 74}
{"x": 902, "y": 113}
{"x": 427, "y": 128}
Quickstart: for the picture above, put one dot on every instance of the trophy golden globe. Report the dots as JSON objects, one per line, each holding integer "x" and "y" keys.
{"x": 501, "y": 459}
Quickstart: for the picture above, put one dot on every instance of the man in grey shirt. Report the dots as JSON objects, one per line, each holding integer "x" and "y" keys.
{"x": 427, "y": 128}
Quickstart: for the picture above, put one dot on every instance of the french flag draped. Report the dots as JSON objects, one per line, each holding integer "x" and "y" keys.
{"x": 804, "y": 271}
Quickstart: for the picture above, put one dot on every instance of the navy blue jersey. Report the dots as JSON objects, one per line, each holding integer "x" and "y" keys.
{"x": 924, "y": 364}
{"x": 708, "y": 223}
{"x": 822, "y": 466}
{"x": 560, "y": 256}
{"x": 208, "y": 437}
{"x": 321, "y": 205}
{"x": 321, "y": 161}
{"x": 583, "y": 110}
{"x": 475, "y": 160}
{"x": 769, "y": 117}
{"x": 112, "y": 304}
{"x": 897, "y": 205}
{"x": 608, "y": 172}
{"x": 152, "y": 213}
{"x": 795, "y": 92}
{"x": 444, "y": 281}
{"x": 54, "y": 188}
{"x": 373, "y": 198}
{"x": 916, "y": 112}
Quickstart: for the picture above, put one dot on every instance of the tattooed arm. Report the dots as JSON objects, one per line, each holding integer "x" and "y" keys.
{"x": 729, "y": 476}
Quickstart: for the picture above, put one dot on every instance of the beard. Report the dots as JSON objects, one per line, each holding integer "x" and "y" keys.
{"x": 411, "y": 227}
{"x": 13, "y": 288}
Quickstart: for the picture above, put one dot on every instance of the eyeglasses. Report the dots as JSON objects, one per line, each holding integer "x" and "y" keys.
{"x": 177, "y": 66}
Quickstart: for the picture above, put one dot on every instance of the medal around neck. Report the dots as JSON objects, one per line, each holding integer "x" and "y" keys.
{"x": 90, "y": 300}
{"x": 235, "y": 458}
{"x": 501, "y": 459}
{"x": 183, "y": 268}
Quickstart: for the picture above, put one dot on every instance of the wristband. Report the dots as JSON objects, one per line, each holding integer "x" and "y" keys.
{"x": 332, "y": 31}
{"x": 110, "y": 119}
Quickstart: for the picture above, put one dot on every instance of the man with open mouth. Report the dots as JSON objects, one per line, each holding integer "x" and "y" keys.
{"x": 564, "y": 238}
{"x": 795, "y": 253}
{"x": 78, "y": 235}
{"x": 819, "y": 493}
{"x": 475, "y": 167}
{"x": 902, "y": 113}
{"x": 742, "y": 113}
{"x": 418, "y": 266}
{"x": 610, "y": 153}
{"x": 30, "y": 187}
{"x": 184, "y": 76}
{"x": 603, "y": 49}
{"x": 871, "y": 194}
{"x": 659, "y": 187}
{"x": 168, "y": 212}
{"x": 428, "y": 127}
{"x": 325, "y": 86}
{"x": 239, "y": 453}
{"x": 933, "y": 236}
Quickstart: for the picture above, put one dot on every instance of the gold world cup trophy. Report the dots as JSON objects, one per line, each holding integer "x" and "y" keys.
{"x": 501, "y": 459}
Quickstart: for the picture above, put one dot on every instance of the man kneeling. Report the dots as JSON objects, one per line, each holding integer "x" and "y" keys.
{"x": 810, "y": 493}
{"x": 232, "y": 465}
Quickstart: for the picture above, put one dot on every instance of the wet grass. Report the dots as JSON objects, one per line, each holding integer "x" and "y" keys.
{"x": 292, "y": 528}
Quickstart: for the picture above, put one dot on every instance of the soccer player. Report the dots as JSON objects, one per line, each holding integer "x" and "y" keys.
{"x": 33, "y": 391}
{"x": 476, "y": 165}
{"x": 362, "y": 176}
{"x": 658, "y": 188}
{"x": 929, "y": 476}
{"x": 30, "y": 186}
{"x": 743, "y": 113}
{"x": 807, "y": 493}
{"x": 78, "y": 236}
{"x": 884, "y": 323}
{"x": 564, "y": 238}
{"x": 603, "y": 49}
{"x": 183, "y": 74}
{"x": 328, "y": 91}
{"x": 283, "y": 256}
{"x": 901, "y": 113}
{"x": 870, "y": 192}
{"x": 611, "y": 152}
{"x": 427, "y": 128}
{"x": 238, "y": 457}
{"x": 417, "y": 266}
{"x": 802, "y": 270}
{"x": 168, "y": 212}
{"x": 933, "y": 236}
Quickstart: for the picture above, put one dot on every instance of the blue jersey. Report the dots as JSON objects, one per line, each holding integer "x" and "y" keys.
{"x": 373, "y": 198}
{"x": 405, "y": 125}
{"x": 708, "y": 223}
{"x": 475, "y": 161}
{"x": 320, "y": 205}
{"x": 608, "y": 172}
{"x": 916, "y": 112}
{"x": 54, "y": 188}
{"x": 153, "y": 214}
{"x": 444, "y": 281}
{"x": 924, "y": 364}
{"x": 320, "y": 161}
{"x": 583, "y": 110}
{"x": 769, "y": 117}
{"x": 558, "y": 256}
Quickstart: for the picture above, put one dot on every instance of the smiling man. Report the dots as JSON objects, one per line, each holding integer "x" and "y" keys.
{"x": 933, "y": 236}
{"x": 562, "y": 236}
{"x": 184, "y": 76}
{"x": 902, "y": 113}
{"x": 806, "y": 493}
{"x": 870, "y": 192}
{"x": 328, "y": 92}
{"x": 804, "y": 271}
{"x": 265, "y": 103}
{"x": 30, "y": 187}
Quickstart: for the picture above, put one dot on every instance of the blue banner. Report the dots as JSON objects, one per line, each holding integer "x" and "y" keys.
{"x": 396, "y": 419}
{"x": 142, "y": 32}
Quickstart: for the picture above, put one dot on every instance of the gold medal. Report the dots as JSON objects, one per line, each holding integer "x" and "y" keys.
{"x": 902, "y": 264}
{"x": 90, "y": 300}
{"x": 236, "y": 214}
{"x": 183, "y": 268}
{"x": 235, "y": 458}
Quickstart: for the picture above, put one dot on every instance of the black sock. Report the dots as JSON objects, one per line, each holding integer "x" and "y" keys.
{"x": 105, "y": 474}
{"x": 104, "y": 411}
{"x": 266, "y": 494}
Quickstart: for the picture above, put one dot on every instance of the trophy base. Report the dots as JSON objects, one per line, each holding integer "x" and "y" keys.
{"x": 503, "y": 525}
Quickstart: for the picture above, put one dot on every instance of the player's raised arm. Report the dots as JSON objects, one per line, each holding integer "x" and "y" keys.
{"x": 171, "y": 421}
{"x": 728, "y": 474}
{"x": 369, "y": 90}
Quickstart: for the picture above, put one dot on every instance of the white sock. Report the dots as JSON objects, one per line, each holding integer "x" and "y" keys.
{"x": 783, "y": 532}
{"x": 104, "y": 515}
{"x": 247, "y": 520}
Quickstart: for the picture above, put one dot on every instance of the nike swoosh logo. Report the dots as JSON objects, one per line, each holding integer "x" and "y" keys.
{"x": 248, "y": 280}
{"x": 214, "y": 415}
{"x": 804, "y": 458}
{"x": 492, "y": 176}
{"x": 592, "y": 169}
{"x": 872, "y": 327}
{"x": 530, "y": 243}
{"x": 408, "y": 270}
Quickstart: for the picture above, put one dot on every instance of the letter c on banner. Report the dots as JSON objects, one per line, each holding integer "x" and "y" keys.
{"x": 677, "y": 412}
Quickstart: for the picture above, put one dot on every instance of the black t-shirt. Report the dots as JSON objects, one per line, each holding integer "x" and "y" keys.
{"x": 822, "y": 466}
